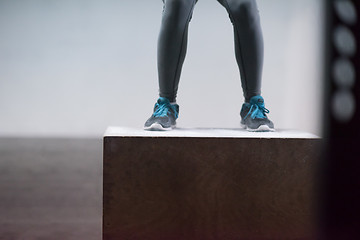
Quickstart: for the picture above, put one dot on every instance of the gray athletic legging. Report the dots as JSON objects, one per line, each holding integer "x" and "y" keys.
{"x": 172, "y": 44}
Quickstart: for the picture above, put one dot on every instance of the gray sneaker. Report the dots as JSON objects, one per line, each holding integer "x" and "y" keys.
{"x": 164, "y": 116}
{"x": 253, "y": 116}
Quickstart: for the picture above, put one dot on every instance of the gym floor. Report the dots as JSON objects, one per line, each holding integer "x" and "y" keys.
{"x": 50, "y": 189}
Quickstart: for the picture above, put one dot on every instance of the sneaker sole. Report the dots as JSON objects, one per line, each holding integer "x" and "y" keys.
{"x": 158, "y": 127}
{"x": 261, "y": 128}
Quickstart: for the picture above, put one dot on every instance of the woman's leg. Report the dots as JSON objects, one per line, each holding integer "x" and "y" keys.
{"x": 172, "y": 44}
{"x": 249, "y": 46}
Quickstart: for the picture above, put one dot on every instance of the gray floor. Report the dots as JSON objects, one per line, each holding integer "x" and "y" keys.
{"x": 50, "y": 189}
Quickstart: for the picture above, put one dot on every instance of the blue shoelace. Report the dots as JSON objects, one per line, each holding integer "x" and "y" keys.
{"x": 257, "y": 111}
{"x": 163, "y": 109}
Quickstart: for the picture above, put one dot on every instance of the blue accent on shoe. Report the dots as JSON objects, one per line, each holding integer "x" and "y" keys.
{"x": 258, "y": 121}
{"x": 257, "y": 108}
{"x": 164, "y": 116}
{"x": 163, "y": 107}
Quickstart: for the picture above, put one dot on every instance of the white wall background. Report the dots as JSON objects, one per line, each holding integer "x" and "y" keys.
{"x": 73, "y": 67}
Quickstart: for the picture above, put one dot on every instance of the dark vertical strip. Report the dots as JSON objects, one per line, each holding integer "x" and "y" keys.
{"x": 340, "y": 186}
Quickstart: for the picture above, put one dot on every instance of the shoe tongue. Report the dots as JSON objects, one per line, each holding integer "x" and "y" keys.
{"x": 163, "y": 100}
{"x": 258, "y": 100}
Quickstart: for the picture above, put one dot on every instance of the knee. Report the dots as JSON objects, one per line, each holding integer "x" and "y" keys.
{"x": 178, "y": 8}
{"x": 245, "y": 11}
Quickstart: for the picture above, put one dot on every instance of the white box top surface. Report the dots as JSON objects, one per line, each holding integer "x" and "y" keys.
{"x": 207, "y": 133}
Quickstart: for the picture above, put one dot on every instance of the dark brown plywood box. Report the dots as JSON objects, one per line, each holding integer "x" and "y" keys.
{"x": 188, "y": 184}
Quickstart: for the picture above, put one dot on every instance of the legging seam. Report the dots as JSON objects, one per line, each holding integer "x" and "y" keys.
{"x": 181, "y": 47}
{"x": 240, "y": 49}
